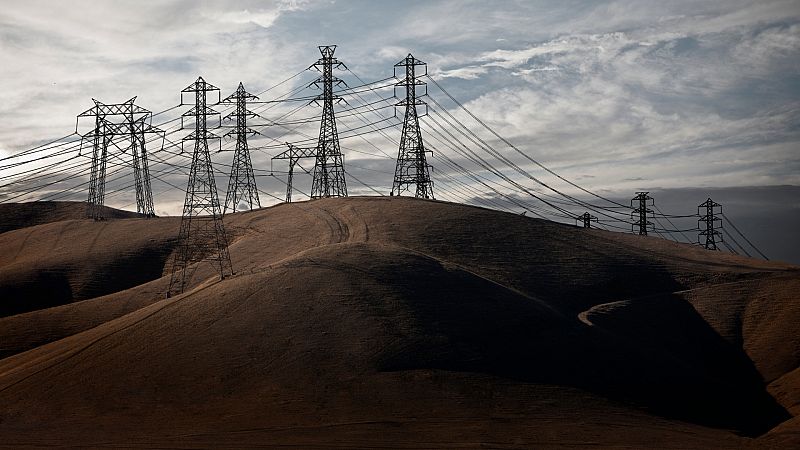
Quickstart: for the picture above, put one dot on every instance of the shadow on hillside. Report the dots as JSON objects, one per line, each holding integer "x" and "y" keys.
{"x": 43, "y": 289}
{"x": 54, "y": 286}
{"x": 655, "y": 352}
{"x": 14, "y": 216}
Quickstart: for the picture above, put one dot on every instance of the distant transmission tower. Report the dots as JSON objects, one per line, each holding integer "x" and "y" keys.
{"x": 709, "y": 224}
{"x": 97, "y": 178}
{"x": 641, "y": 210}
{"x": 242, "y": 182}
{"x": 294, "y": 155}
{"x": 329, "y": 178}
{"x": 202, "y": 234}
{"x": 412, "y": 167}
{"x": 113, "y": 122}
{"x": 141, "y": 168}
{"x": 587, "y": 219}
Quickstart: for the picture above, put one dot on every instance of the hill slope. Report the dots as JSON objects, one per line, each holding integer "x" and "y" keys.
{"x": 367, "y": 321}
{"x": 20, "y": 215}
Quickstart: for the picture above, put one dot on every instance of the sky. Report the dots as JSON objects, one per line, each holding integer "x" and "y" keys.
{"x": 682, "y": 98}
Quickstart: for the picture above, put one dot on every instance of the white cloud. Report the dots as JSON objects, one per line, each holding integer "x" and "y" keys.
{"x": 392, "y": 53}
{"x": 466, "y": 73}
{"x": 677, "y": 93}
{"x": 655, "y": 105}
{"x": 263, "y": 17}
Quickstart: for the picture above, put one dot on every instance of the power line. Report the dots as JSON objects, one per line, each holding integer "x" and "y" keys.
{"x": 744, "y": 237}
{"x": 460, "y": 105}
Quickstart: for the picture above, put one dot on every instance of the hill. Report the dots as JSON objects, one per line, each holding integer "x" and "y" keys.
{"x": 392, "y": 322}
{"x": 18, "y": 215}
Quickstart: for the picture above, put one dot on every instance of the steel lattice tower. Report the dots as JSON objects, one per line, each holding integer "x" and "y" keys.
{"x": 586, "y": 219}
{"x": 412, "y": 167}
{"x": 242, "y": 181}
{"x": 135, "y": 124}
{"x": 709, "y": 224}
{"x": 329, "y": 180}
{"x": 294, "y": 155}
{"x": 97, "y": 178}
{"x": 141, "y": 169}
{"x": 202, "y": 233}
{"x": 640, "y": 212}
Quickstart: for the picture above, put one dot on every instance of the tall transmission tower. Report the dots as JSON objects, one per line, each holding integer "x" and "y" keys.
{"x": 709, "y": 224}
{"x": 112, "y": 124}
{"x": 329, "y": 180}
{"x": 641, "y": 210}
{"x": 412, "y": 167}
{"x": 586, "y": 219}
{"x": 242, "y": 181}
{"x": 202, "y": 234}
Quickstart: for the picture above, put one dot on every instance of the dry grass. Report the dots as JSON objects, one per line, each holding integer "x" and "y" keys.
{"x": 377, "y": 322}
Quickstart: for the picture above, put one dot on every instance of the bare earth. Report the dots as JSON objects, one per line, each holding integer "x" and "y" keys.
{"x": 389, "y": 323}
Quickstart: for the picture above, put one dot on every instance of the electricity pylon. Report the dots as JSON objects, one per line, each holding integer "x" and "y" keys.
{"x": 329, "y": 179}
{"x": 412, "y": 167}
{"x": 97, "y": 177}
{"x": 709, "y": 224}
{"x": 641, "y": 210}
{"x": 294, "y": 154}
{"x": 242, "y": 181}
{"x": 202, "y": 234}
{"x": 586, "y": 219}
{"x": 112, "y": 123}
{"x": 141, "y": 168}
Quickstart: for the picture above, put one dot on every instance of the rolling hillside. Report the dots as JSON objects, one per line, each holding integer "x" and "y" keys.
{"x": 392, "y": 323}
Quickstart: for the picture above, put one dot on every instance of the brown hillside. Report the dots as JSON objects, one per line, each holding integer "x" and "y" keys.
{"x": 20, "y": 215}
{"x": 366, "y": 322}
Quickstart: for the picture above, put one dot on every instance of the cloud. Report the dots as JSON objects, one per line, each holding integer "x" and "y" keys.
{"x": 392, "y": 53}
{"x": 601, "y": 45}
{"x": 465, "y": 73}
{"x": 263, "y": 17}
{"x": 620, "y": 95}
{"x": 645, "y": 99}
